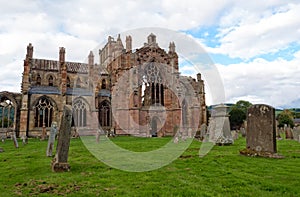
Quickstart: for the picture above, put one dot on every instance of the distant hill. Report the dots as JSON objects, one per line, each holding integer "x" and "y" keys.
{"x": 277, "y": 111}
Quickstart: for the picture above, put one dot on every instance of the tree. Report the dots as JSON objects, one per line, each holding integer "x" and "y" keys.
{"x": 238, "y": 114}
{"x": 243, "y": 105}
{"x": 285, "y": 117}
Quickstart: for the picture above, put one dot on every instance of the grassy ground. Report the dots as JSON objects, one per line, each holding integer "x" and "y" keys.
{"x": 222, "y": 172}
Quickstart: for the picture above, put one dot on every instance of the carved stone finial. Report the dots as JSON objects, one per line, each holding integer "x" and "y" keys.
{"x": 151, "y": 39}
{"x": 172, "y": 47}
{"x": 128, "y": 43}
{"x": 91, "y": 58}
{"x": 29, "y": 51}
{"x": 119, "y": 37}
{"x": 199, "y": 77}
{"x": 62, "y": 54}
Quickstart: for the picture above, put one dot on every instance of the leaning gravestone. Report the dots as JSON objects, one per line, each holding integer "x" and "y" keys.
{"x": 261, "y": 132}
{"x": 51, "y": 139}
{"x": 60, "y": 161}
{"x": 14, "y": 138}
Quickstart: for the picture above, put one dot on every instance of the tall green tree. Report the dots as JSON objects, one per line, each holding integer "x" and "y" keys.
{"x": 285, "y": 117}
{"x": 238, "y": 113}
{"x": 243, "y": 105}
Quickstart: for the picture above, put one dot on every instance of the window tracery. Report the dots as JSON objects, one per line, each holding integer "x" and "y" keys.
{"x": 43, "y": 113}
{"x": 105, "y": 114}
{"x": 80, "y": 113}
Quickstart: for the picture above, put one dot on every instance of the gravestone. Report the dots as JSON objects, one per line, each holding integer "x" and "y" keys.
{"x": 60, "y": 161}
{"x": 51, "y": 139}
{"x": 14, "y": 138}
{"x": 219, "y": 127}
{"x": 243, "y": 131}
{"x": 98, "y": 133}
{"x": 281, "y": 131}
{"x": 235, "y": 135}
{"x": 245, "y": 124}
{"x": 296, "y": 133}
{"x": 24, "y": 139}
{"x": 277, "y": 130}
{"x": 74, "y": 133}
{"x": 203, "y": 131}
{"x": 288, "y": 133}
{"x": 261, "y": 132}
{"x": 3, "y": 137}
{"x": 175, "y": 140}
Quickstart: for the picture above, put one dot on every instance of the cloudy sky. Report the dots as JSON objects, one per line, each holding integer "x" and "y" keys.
{"x": 254, "y": 44}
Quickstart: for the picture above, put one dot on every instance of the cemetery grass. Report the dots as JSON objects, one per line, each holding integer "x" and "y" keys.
{"x": 223, "y": 171}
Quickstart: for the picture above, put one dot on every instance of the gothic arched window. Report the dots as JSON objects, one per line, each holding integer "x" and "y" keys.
{"x": 50, "y": 81}
{"x": 38, "y": 79}
{"x": 153, "y": 90}
{"x": 7, "y": 111}
{"x": 104, "y": 114}
{"x": 79, "y": 113}
{"x": 43, "y": 113}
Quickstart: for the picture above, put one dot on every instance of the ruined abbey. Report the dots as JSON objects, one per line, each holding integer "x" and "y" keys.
{"x": 123, "y": 91}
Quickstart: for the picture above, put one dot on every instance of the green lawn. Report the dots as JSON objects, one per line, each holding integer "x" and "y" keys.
{"x": 222, "y": 172}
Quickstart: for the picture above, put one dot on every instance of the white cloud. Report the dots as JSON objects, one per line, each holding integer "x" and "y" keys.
{"x": 246, "y": 34}
{"x": 260, "y": 81}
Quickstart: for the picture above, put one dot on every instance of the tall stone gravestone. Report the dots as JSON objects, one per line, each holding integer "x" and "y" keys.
{"x": 277, "y": 130}
{"x": 219, "y": 127}
{"x": 288, "y": 133}
{"x": 203, "y": 131}
{"x": 60, "y": 161}
{"x": 14, "y": 138}
{"x": 51, "y": 139}
{"x": 243, "y": 129}
{"x": 261, "y": 131}
{"x": 296, "y": 133}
